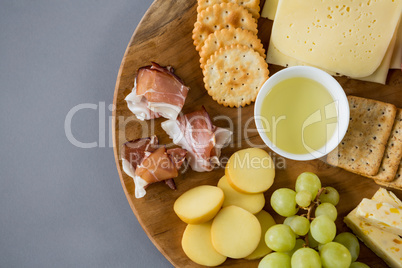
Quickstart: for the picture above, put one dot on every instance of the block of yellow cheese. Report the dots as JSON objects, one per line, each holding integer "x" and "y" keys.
{"x": 274, "y": 56}
{"x": 347, "y": 37}
{"x": 381, "y": 215}
{"x": 269, "y": 11}
{"x": 387, "y": 246}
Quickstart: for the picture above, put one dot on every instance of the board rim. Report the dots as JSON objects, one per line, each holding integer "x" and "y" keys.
{"x": 115, "y": 145}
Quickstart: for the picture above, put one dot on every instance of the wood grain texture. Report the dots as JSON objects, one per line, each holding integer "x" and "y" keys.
{"x": 164, "y": 36}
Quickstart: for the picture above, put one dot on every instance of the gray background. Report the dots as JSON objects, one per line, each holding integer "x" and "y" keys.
{"x": 61, "y": 205}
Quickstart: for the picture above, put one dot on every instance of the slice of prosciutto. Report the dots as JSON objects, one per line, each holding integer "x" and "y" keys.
{"x": 202, "y": 140}
{"x": 157, "y": 92}
{"x": 147, "y": 162}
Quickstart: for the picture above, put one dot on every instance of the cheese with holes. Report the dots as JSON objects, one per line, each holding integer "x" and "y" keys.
{"x": 386, "y": 245}
{"x": 274, "y": 56}
{"x": 381, "y": 215}
{"x": 349, "y": 37}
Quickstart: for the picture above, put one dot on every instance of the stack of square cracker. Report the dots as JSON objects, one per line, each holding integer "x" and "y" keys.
{"x": 232, "y": 57}
{"x": 372, "y": 146}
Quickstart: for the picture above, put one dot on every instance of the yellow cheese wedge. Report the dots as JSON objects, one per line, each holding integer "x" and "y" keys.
{"x": 387, "y": 246}
{"x": 274, "y": 56}
{"x": 266, "y": 221}
{"x": 235, "y": 232}
{"x": 197, "y": 245}
{"x": 250, "y": 202}
{"x": 269, "y": 9}
{"x": 349, "y": 37}
{"x": 381, "y": 215}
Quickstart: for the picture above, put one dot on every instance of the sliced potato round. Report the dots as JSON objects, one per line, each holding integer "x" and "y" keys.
{"x": 251, "y": 202}
{"x": 262, "y": 249}
{"x": 235, "y": 232}
{"x": 250, "y": 171}
{"x": 199, "y": 204}
{"x": 197, "y": 245}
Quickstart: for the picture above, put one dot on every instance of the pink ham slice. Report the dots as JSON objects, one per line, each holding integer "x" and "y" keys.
{"x": 157, "y": 92}
{"x": 147, "y": 162}
{"x": 202, "y": 140}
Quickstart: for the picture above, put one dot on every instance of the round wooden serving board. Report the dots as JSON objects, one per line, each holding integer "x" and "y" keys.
{"x": 164, "y": 36}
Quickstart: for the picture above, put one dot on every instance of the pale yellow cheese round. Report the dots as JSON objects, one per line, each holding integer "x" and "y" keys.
{"x": 266, "y": 221}
{"x": 197, "y": 245}
{"x": 199, "y": 204}
{"x": 235, "y": 232}
{"x": 250, "y": 171}
{"x": 251, "y": 202}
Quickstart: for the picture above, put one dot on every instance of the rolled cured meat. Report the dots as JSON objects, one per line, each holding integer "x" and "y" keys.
{"x": 147, "y": 162}
{"x": 202, "y": 140}
{"x": 157, "y": 92}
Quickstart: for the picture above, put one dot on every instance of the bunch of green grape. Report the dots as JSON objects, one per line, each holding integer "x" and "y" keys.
{"x": 308, "y": 238}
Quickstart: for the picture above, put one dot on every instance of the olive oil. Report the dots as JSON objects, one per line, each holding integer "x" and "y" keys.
{"x": 299, "y": 115}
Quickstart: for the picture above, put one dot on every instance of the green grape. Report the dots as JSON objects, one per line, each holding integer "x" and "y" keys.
{"x": 323, "y": 229}
{"x": 288, "y": 220}
{"x": 335, "y": 255}
{"x": 357, "y": 264}
{"x": 306, "y": 258}
{"x": 312, "y": 243}
{"x": 275, "y": 259}
{"x": 330, "y": 195}
{"x": 308, "y": 181}
{"x": 283, "y": 202}
{"x": 327, "y": 209}
{"x": 350, "y": 241}
{"x": 299, "y": 244}
{"x": 304, "y": 198}
{"x": 280, "y": 238}
{"x": 300, "y": 225}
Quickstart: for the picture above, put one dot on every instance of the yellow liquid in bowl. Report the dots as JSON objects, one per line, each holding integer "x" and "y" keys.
{"x": 299, "y": 115}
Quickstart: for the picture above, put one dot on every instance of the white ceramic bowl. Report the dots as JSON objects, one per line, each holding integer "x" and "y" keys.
{"x": 333, "y": 87}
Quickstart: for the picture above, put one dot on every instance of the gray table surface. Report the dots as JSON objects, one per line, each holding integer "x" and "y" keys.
{"x": 61, "y": 201}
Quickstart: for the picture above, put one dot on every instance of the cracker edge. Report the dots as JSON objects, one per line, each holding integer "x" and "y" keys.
{"x": 200, "y": 15}
{"x": 260, "y": 48}
{"x": 217, "y": 53}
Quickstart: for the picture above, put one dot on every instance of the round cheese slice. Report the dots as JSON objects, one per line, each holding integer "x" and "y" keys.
{"x": 197, "y": 245}
{"x": 250, "y": 171}
{"x": 235, "y": 232}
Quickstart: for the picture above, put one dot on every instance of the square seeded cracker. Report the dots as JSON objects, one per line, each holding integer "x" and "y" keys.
{"x": 363, "y": 146}
{"x": 393, "y": 152}
{"x": 397, "y": 182}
